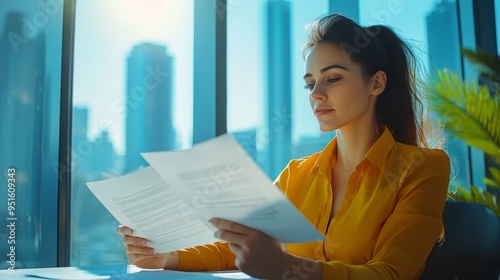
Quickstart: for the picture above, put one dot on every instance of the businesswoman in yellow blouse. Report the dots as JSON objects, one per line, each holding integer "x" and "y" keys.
{"x": 376, "y": 191}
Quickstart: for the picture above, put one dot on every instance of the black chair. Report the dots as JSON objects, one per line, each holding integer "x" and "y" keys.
{"x": 471, "y": 246}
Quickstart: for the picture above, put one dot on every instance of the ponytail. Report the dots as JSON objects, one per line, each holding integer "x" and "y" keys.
{"x": 398, "y": 106}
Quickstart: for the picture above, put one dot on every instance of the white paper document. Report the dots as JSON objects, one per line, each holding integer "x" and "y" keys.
{"x": 129, "y": 272}
{"x": 171, "y": 202}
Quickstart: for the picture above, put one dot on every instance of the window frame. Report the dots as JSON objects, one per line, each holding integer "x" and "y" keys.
{"x": 65, "y": 126}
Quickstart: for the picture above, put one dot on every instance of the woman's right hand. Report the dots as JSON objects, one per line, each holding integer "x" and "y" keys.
{"x": 141, "y": 255}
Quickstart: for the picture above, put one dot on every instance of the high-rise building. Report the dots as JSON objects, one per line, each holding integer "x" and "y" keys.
{"x": 444, "y": 53}
{"x": 80, "y": 123}
{"x": 149, "y": 103}
{"x": 278, "y": 119}
{"x": 80, "y": 144}
{"x": 443, "y": 37}
{"x": 88, "y": 156}
{"x": 22, "y": 97}
{"x": 103, "y": 153}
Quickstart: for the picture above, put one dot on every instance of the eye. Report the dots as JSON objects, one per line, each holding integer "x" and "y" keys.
{"x": 309, "y": 87}
{"x": 333, "y": 80}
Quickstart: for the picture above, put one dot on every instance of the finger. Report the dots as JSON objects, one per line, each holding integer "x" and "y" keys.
{"x": 236, "y": 248}
{"x": 136, "y": 241}
{"x": 123, "y": 230}
{"x": 230, "y": 226}
{"x": 230, "y": 237}
{"x": 136, "y": 250}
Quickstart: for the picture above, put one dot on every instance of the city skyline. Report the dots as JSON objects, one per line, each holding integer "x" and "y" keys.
{"x": 103, "y": 40}
{"x": 290, "y": 114}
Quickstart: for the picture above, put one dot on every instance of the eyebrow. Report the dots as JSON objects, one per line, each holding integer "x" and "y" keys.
{"x": 326, "y": 69}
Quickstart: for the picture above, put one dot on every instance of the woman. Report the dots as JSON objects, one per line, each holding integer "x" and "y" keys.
{"x": 376, "y": 191}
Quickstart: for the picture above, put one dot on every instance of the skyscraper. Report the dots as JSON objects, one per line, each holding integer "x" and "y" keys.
{"x": 80, "y": 144}
{"x": 443, "y": 37}
{"x": 80, "y": 123}
{"x": 149, "y": 103}
{"x": 444, "y": 52}
{"x": 278, "y": 119}
{"x": 22, "y": 97}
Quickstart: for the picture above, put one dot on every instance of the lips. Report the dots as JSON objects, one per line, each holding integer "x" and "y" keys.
{"x": 322, "y": 110}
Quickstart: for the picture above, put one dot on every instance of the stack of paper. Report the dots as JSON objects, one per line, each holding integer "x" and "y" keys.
{"x": 171, "y": 202}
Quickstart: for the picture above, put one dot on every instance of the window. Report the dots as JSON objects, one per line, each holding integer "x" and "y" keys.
{"x": 132, "y": 93}
{"x": 497, "y": 23}
{"x": 268, "y": 108}
{"x": 30, "y": 59}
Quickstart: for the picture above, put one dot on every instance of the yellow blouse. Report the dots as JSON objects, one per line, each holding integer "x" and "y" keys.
{"x": 388, "y": 222}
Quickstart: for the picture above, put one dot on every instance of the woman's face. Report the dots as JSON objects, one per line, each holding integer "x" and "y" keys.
{"x": 339, "y": 94}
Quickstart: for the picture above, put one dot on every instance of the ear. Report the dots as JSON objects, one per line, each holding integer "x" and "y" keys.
{"x": 378, "y": 83}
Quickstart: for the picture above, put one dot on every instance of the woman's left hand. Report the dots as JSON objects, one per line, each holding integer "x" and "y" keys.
{"x": 257, "y": 254}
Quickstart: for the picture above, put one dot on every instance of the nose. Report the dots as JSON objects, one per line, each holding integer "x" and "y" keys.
{"x": 318, "y": 92}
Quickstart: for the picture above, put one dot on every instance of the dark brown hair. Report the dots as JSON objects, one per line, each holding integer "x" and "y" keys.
{"x": 376, "y": 48}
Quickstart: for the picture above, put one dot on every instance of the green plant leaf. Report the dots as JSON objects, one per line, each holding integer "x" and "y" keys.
{"x": 467, "y": 111}
{"x": 471, "y": 112}
{"x": 494, "y": 181}
{"x": 476, "y": 195}
{"x": 487, "y": 64}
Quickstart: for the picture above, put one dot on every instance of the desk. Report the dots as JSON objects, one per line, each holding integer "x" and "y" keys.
{"x": 118, "y": 272}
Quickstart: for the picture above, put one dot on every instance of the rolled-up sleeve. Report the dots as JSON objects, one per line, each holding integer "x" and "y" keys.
{"x": 208, "y": 257}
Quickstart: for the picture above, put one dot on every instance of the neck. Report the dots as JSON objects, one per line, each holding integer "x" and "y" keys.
{"x": 353, "y": 142}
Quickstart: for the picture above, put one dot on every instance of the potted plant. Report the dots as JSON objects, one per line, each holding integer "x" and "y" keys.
{"x": 470, "y": 111}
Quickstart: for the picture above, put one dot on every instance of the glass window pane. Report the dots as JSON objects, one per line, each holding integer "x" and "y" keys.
{"x": 30, "y": 59}
{"x": 497, "y": 23}
{"x": 432, "y": 29}
{"x": 268, "y": 108}
{"x": 133, "y": 88}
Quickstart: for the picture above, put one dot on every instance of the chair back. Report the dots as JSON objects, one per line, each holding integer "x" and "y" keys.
{"x": 471, "y": 246}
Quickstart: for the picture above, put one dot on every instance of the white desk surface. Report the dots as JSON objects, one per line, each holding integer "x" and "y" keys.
{"x": 123, "y": 272}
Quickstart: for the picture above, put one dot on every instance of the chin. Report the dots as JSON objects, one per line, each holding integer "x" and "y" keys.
{"x": 327, "y": 128}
